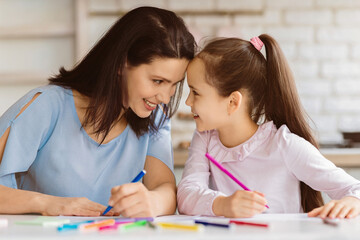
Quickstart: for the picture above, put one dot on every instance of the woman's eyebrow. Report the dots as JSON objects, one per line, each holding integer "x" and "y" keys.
{"x": 167, "y": 80}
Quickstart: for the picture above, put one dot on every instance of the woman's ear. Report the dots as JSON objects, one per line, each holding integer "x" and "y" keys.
{"x": 234, "y": 103}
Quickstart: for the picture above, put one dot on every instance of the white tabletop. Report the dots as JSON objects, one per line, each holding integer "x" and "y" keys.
{"x": 281, "y": 226}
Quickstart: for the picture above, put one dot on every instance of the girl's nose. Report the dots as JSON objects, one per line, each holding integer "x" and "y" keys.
{"x": 188, "y": 101}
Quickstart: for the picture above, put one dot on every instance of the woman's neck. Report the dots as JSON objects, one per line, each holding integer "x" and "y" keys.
{"x": 81, "y": 104}
{"x": 238, "y": 132}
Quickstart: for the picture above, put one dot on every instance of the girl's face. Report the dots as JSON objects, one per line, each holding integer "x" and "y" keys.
{"x": 153, "y": 83}
{"x": 208, "y": 107}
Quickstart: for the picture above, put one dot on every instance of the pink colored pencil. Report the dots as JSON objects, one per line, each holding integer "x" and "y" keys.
{"x": 228, "y": 173}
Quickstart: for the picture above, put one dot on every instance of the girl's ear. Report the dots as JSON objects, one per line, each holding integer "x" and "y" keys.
{"x": 234, "y": 103}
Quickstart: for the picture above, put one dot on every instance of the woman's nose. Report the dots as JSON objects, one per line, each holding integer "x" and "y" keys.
{"x": 164, "y": 97}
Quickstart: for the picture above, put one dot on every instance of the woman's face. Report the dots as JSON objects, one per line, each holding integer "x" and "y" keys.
{"x": 208, "y": 107}
{"x": 153, "y": 83}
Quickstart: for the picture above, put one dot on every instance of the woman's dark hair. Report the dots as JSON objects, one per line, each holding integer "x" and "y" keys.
{"x": 139, "y": 37}
{"x": 233, "y": 64}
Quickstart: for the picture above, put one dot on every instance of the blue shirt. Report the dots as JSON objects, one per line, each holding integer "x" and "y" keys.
{"x": 47, "y": 151}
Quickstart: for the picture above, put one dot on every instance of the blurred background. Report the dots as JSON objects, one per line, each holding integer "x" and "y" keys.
{"x": 320, "y": 38}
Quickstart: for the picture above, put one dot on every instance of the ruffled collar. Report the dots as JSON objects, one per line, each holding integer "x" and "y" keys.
{"x": 240, "y": 152}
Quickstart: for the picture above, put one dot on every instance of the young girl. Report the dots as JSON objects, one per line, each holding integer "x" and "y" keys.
{"x": 249, "y": 118}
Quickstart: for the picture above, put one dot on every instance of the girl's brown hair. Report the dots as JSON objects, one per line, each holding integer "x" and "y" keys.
{"x": 139, "y": 37}
{"x": 233, "y": 64}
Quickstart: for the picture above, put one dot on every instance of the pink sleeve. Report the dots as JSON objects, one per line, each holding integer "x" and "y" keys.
{"x": 194, "y": 195}
{"x": 310, "y": 166}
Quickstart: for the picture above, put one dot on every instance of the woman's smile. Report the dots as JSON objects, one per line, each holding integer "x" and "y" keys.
{"x": 149, "y": 105}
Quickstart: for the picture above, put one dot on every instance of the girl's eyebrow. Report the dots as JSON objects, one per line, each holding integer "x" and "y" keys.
{"x": 190, "y": 86}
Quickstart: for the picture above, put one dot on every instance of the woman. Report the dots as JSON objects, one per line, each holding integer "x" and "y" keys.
{"x": 73, "y": 146}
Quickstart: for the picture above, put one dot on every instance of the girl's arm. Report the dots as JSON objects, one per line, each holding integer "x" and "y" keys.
{"x": 195, "y": 196}
{"x": 311, "y": 167}
{"x": 155, "y": 196}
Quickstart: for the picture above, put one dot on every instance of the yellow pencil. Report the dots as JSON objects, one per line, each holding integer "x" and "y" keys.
{"x": 194, "y": 227}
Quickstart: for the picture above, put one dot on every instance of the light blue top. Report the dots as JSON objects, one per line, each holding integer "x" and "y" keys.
{"x": 47, "y": 151}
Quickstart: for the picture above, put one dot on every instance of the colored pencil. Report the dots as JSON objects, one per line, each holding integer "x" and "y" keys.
{"x": 228, "y": 173}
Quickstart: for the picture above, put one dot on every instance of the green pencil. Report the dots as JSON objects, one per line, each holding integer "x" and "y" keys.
{"x": 133, "y": 225}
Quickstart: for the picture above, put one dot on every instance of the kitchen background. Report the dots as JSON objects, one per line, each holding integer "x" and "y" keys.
{"x": 321, "y": 39}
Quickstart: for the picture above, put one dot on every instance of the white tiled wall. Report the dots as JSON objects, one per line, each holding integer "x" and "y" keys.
{"x": 321, "y": 39}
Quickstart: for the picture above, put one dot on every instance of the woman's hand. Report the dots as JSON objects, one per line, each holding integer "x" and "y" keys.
{"x": 132, "y": 200}
{"x": 240, "y": 204}
{"x": 154, "y": 197}
{"x": 73, "y": 206}
{"x": 347, "y": 207}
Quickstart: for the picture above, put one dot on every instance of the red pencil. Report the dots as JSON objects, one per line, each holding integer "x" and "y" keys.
{"x": 249, "y": 223}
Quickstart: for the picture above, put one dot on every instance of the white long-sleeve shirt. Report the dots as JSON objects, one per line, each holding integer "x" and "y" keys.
{"x": 273, "y": 161}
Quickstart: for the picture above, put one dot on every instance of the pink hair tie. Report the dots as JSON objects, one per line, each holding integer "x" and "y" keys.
{"x": 257, "y": 43}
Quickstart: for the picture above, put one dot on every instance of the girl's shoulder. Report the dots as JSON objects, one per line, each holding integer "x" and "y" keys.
{"x": 291, "y": 144}
{"x": 204, "y": 136}
{"x": 287, "y": 139}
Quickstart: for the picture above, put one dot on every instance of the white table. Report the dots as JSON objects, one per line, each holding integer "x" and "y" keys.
{"x": 281, "y": 226}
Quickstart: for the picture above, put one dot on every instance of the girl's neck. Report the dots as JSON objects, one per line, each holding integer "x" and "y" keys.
{"x": 235, "y": 134}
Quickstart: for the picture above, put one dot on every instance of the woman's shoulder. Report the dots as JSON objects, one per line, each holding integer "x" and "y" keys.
{"x": 47, "y": 99}
{"x": 53, "y": 92}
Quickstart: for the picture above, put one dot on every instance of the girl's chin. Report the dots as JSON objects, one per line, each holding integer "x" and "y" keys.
{"x": 200, "y": 129}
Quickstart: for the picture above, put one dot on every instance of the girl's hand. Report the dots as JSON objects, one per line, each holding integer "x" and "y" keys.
{"x": 73, "y": 206}
{"x": 240, "y": 204}
{"x": 347, "y": 207}
{"x": 133, "y": 200}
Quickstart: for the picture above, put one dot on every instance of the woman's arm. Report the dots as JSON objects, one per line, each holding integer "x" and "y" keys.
{"x": 4, "y": 137}
{"x": 160, "y": 181}
{"x": 16, "y": 201}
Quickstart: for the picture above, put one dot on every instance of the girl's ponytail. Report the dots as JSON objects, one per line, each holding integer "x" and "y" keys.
{"x": 282, "y": 106}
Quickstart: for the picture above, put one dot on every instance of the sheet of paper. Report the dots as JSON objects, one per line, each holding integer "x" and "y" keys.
{"x": 264, "y": 218}
{"x": 3, "y": 222}
{"x": 44, "y": 221}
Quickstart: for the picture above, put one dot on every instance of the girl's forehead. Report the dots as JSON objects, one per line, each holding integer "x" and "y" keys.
{"x": 197, "y": 62}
